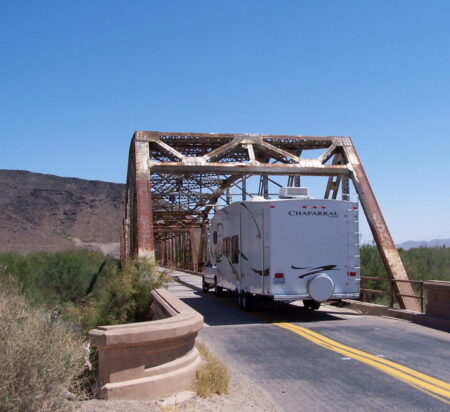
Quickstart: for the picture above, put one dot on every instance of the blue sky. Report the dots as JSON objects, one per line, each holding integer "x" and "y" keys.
{"x": 78, "y": 77}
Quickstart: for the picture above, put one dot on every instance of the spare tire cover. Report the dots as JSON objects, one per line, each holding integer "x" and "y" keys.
{"x": 321, "y": 287}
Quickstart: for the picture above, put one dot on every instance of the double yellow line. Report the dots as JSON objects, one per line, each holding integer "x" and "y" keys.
{"x": 432, "y": 386}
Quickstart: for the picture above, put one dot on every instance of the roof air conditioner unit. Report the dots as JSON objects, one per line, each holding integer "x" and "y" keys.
{"x": 294, "y": 193}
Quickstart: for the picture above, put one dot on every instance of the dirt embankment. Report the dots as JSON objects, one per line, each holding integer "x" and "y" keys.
{"x": 46, "y": 212}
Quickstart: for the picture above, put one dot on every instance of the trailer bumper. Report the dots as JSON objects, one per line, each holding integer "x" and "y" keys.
{"x": 345, "y": 296}
{"x": 291, "y": 298}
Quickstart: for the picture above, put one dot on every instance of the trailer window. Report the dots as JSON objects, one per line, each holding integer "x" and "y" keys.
{"x": 226, "y": 246}
{"x": 235, "y": 249}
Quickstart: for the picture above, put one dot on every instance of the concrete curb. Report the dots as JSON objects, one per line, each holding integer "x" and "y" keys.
{"x": 411, "y": 316}
{"x": 380, "y": 310}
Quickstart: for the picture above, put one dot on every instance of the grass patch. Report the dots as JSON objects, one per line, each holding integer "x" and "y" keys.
{"x": 212, "y": 376}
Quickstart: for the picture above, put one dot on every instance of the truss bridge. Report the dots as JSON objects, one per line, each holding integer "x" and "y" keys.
{"x": 177, "y": 180}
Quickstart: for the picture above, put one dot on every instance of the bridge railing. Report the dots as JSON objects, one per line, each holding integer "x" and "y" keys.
{"x": 148, "y": 360}
{"x": 391, "y": 293}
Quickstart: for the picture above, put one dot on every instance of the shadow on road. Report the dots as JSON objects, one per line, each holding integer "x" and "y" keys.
{"x": 221, "y": 311}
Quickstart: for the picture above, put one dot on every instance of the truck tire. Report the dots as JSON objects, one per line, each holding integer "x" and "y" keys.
{"x": 311, "y": 304}
{"x": 218, "y": 289}
{"x": 205, "y": 286}
{"x": 247, "y": 301}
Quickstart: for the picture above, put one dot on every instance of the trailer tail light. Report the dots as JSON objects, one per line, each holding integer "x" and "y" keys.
{"x": 324, "y": 207}
{"x": 314, "y": 207}
{"x": 304, "y": 207}
{"x": 355, "y": 207}
{"x": 352, "y": 273}
{"x": 279, "y": 275}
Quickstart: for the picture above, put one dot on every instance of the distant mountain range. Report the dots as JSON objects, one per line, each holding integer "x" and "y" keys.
{"x": 46, "y": 212}
{"x": 423, "y": 243}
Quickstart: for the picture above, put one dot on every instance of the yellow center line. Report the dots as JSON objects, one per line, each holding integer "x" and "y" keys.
{"x": 431, "y": 394}
{"x": 402, "y": 368}
{"x": 432, "y": 386}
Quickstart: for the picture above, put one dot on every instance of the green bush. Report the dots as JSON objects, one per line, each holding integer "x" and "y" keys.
{"x": 420, "y": 264}
{"x": 41, "y": 356}
{"x": 84, "y": 286}
{"x": 124, "y": 295}
{"x": 53, "y": 278}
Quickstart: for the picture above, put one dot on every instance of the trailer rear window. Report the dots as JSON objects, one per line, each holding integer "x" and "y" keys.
{"x": 235, "y": 249}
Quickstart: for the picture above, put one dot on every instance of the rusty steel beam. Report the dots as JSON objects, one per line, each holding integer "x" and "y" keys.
{"x": 189, "y": 173}
{"x": 333, "y": 183}
{"x": 144, "y": 210}
{"x": 138, "y": 233}
{"x": 319, "y": 141}
{"x": 306, "y": 167}
{"x": 380, "y": 231}
{"x": 174, "y": 229}
{"x": 214, "y": 197}
{"x": 194, "y": 249}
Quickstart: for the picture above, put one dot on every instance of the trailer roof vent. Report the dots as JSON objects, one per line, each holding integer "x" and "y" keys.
{"x": 294, "y": 193}
{"x": 257, "y": 199}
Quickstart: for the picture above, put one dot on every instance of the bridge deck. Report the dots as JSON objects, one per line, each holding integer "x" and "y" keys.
{"x": 302, "y": 371}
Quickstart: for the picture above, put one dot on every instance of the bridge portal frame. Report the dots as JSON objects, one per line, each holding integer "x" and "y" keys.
{"x": 164, "y": 166}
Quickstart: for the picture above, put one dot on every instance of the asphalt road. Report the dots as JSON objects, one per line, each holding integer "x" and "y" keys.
{"x": 331, "y": 359}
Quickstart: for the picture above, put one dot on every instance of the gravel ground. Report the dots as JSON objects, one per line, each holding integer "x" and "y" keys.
{"x": 244, "y": 396}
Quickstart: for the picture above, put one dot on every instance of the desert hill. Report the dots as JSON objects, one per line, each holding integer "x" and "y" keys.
{"x": 46, "y": 212}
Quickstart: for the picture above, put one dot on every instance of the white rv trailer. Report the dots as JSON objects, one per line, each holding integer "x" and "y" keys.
{"x": 292, "y": 248}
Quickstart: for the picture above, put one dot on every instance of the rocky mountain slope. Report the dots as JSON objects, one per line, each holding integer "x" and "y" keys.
{"x": 46, "y": 212}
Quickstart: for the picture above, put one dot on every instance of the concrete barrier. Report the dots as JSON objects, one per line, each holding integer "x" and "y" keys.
{"x": 148, "y": 360}
{"x": 437, "y": 311}
{"x": 438, "y": 303}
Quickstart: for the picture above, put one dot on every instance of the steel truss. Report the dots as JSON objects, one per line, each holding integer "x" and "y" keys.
{"x": 176, "y": 180}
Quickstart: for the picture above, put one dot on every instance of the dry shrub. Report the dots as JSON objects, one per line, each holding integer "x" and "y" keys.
{"x": 131, "y": 298}
{"x": 40, "y": 357}
{"x": 212, "y": 376}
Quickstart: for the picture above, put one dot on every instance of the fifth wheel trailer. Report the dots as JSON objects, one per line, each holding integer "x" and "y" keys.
{"x": 292, "y": 248}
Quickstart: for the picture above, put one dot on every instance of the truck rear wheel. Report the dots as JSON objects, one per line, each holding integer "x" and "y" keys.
{"x": 218, "y": 289}
{"x": 311, "y": 304}
{"x": 247, "y": 301}
{"x": 205, "y": 286}
{"x": 239, "y": 296}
